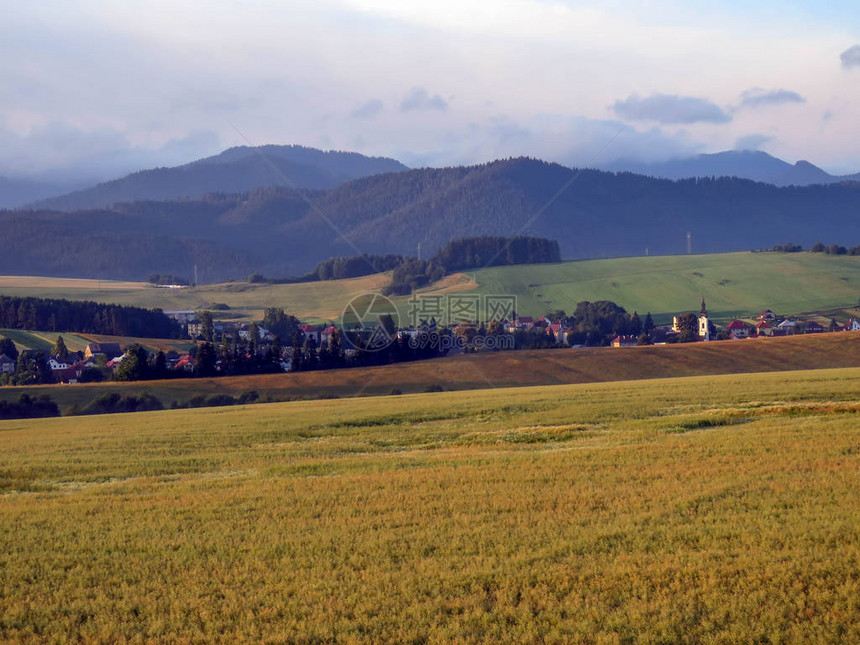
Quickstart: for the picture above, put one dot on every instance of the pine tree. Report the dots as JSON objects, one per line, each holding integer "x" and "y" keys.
{"x": 635, "y": 324}
{"x": 8, "y": 347}
{"x": 59, "y": 350}
{"x": 649, "y": 323}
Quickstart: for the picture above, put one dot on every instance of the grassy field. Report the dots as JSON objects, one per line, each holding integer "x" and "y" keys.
{"x": 707, "y": 509}
{"x": 504, "y": 369}
{"x": 44, "y": 340}
{"x": 315, "y": 302}
{"x": 734, "y": 284}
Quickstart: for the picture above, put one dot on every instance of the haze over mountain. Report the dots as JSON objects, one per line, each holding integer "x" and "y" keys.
{"x": 235, "y": 170}
{"x": 280, "y": 232}
{"x": 15, "y": 192}
{"x": 747, "y": 164}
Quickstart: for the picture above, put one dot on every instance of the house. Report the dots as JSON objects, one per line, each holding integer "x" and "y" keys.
{"x": 764, "y": 328}
{"x": 852, "y": 325}
{"x": 73, "y": 372}
{"x": 557, "y": 331}
{"x": 56, "y": 364}
{"x": 194, "y": 326}
{"x": 813, "y": 327}
{"x": 624, "y": 341}
{"x": 110, "y": 350}
{"x": 787, "y": 327}
{"x": 524, "y": 322}
{"x": 766, "y": 315}
{"x": 185, "y": 363}
{"x": 7, "y": 365}
{"x": 181, "y": 315}
{"x": 738, "y": 329}
{"x": 310, "y": 331}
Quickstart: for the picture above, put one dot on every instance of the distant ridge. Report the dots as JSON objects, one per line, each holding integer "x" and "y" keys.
{"x": 235, "y": 170}
{"x": 275, "y": 231}
{"x": 745, "y": 164}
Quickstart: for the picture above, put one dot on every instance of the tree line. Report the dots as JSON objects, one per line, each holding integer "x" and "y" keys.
{"x": 818, "y": 247}
{"x": 85, "y": 317}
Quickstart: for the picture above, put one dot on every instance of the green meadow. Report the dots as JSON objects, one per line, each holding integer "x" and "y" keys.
{"x": 707, "y": 509}
{"x": 734, "y": 284}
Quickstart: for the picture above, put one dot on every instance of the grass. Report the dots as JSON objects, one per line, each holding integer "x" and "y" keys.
{"x": 734, "y": 284}
{"x": 504, "y": 369}
{"x": 706, "y": 509}
{"x": 44, "y": 340}
{"x": 316, "y": 302}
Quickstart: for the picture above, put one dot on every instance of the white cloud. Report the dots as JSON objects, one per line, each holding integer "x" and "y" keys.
{"x": 368, "y": 110}
{"x": 758, "y": 97}
{"x": 670, "y": 109}
{"x": 752, "y": 142}
{"x": 851, "y": 57}
{"x": 420, "y": 100}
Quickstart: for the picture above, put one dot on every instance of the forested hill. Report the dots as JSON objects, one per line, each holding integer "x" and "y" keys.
{"x": 235, "y": 170}
{"x": 277, "y": 232}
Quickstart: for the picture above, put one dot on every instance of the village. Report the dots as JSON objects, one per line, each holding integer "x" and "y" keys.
{"x": 255, "y": 348}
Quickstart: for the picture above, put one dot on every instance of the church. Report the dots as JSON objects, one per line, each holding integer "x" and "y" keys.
{"x": 704, "y": 323}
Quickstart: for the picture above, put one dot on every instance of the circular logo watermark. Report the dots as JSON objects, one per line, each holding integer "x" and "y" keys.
{"x": 370, "y": 322}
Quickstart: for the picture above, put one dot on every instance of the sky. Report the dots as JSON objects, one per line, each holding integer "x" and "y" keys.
{"x": 93, "y": 89}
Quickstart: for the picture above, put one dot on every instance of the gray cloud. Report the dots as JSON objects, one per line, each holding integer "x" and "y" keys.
{"x": 757, "y": 97}
{"x": 63, "y": 152}
{"x": 570, "y": 140}
{"x": 419, "y": 99}
{"x": 752, "y": 142}
{"x": 670, "y": 109}
{"x": 367, "y": 110}
{"x": 851, "y": 57}
{"x": 213, "y": 101}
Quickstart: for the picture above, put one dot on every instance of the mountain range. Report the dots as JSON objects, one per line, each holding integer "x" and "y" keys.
{"x": 282, "y": 231}
{"x": 746, "y": 164}
{"x": 235, "y": 170}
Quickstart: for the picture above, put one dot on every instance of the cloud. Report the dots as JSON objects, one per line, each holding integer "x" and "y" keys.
{"x": 66, "y": 152}
{"x": 670, "y": 109}
{"x": 851, "y": 57}
{"x": 752, "y": 142}
{"x": 569, "y": 140}
{"x": 367, "y": 110}
{"x": 757, "y": 97}
{"x": 419, "y": 99}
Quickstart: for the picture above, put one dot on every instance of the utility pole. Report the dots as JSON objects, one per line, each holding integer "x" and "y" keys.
{"x": 689, "y": 243}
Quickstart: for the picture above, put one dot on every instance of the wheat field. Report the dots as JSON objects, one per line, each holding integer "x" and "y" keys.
{"x": 705, "y": 509}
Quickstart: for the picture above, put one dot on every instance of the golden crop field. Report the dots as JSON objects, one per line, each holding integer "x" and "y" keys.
{"x": 704, "y": 509}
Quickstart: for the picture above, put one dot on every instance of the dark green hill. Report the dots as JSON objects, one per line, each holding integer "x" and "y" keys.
{"x": 280, "y": 232}
{"x": 235, "y": 170}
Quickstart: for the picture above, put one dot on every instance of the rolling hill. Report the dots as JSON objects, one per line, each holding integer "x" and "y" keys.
{"x": 734, "y": 284}
{"x": 280, "y": 232}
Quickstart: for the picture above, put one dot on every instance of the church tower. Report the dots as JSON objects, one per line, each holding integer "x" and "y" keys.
{"x": 704, "y": 326}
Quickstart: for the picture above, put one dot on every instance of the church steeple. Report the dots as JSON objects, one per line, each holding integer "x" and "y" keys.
{"x": 704, "y": 310}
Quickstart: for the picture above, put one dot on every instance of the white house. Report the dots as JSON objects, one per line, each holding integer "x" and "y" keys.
{"x": 7, "y": 365}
